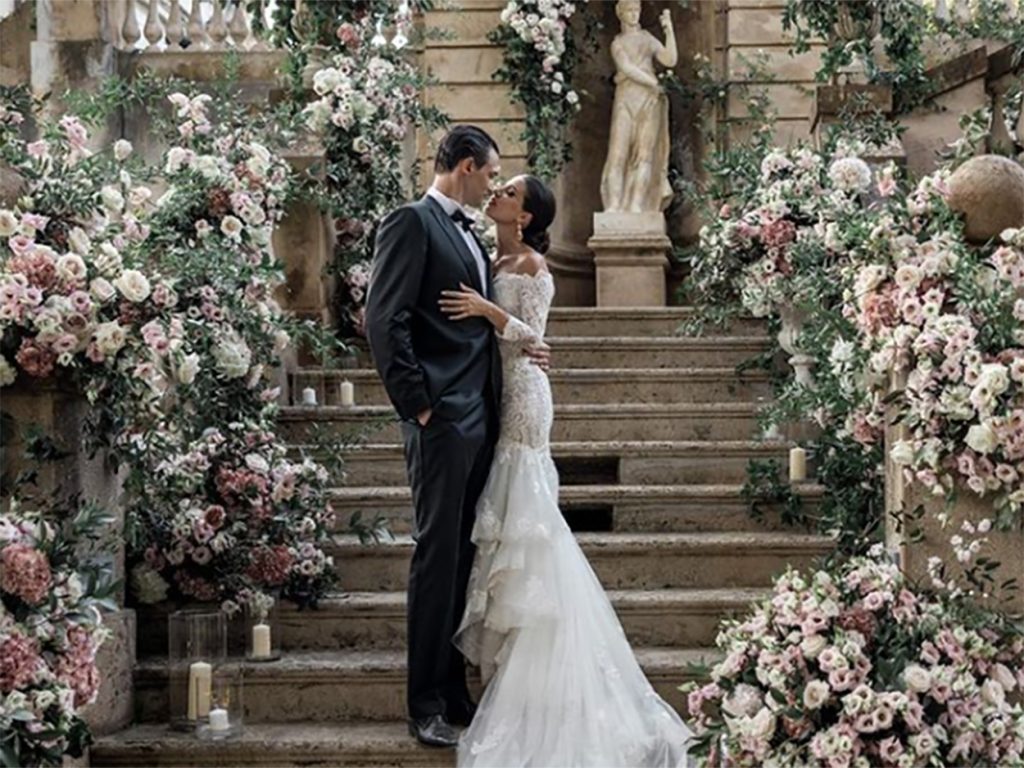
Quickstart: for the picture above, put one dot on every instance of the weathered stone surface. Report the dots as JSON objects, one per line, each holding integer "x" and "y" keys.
{"x": 459, "y": 66}
{"x": 776, "y": 60}
{"x": 989, "y": 192}
{"x": 114, "y": 707}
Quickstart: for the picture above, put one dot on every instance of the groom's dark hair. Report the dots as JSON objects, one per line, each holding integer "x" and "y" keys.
{"x": 461, "y": 142}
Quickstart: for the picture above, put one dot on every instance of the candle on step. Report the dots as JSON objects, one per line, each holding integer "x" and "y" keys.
{"x": 309, "y": 396}
{"x": 797, "y": 464}
{"x": 261, "y": 640}
{"x": 200, "y": 681}
{"x": 348, "y": 393}
{"x": 219, "y": 719}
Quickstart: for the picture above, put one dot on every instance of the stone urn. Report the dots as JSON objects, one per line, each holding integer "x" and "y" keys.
{"x": 793, "y": 319}
{"x": 989, "y": 192}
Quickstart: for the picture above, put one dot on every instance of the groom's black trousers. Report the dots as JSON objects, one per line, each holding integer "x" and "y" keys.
{"x": 448, "y": 463}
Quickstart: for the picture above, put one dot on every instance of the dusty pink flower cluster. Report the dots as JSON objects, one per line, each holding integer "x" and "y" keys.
{"x": 25, "y": 572}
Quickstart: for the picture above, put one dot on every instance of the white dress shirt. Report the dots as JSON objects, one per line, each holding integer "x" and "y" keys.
{"x": 451, "y": 206}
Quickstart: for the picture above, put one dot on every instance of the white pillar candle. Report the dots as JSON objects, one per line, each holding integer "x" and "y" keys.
{"x": 261, "y": 640}
{"x": 219, "y": 719}
{"x": 200, "y": 683}
{"x": 309, "y": 396}
{"x": 348, "y": 393}
{"x": 797, "y": 464}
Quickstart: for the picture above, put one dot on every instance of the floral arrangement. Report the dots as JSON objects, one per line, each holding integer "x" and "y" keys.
{"x": 850, "y": 666}
{"x": 949, "y": 316}
{"x": 540, "y": 59}
{"x": 368, "y": 96}
{"x": 51, "y": 593}
{"x": 163, "y": 310}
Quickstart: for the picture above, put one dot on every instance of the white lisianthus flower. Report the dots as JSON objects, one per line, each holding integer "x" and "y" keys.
{"x": 122, "y": 149}
{"x": 133, "y": 285}
{"x": 232, "y": 227}
{"x": 112, "y": 199}
{"x": 7, "y": 372}
{"x": 816, "y": 693}
{"x": 917, "y": 678}
{"x": 744, "y": 701}
{"x": 110, "y": 337}
{"x": 187, "y": 369}
{"x": 232, "y": 355}
{"x": 108, "y": 261}
{"x": 257, "y": 463}
{"x": 360, "y": 145}
{"x": 908, "y": 277}
{"x": 8, "y": 223}
{"x": 982, "y": 438}
{"x": 80, "y": 242}
{"x": 812, "y": 646}
{"x": 148, "y": 585}
{"x": 177, "y": 157}
{"x": 993, "y": 693}
{"x": 207, "y": 166}
{"x": 572, "y": 97}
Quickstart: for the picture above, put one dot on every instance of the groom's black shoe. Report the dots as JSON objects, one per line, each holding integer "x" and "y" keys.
{"x": 434, "y": 731}
{"x": 461, "y": 713}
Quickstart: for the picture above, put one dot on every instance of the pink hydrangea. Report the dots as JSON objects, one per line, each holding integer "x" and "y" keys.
{"x": 25, "y": 572}
{"x": 19, "y": 662}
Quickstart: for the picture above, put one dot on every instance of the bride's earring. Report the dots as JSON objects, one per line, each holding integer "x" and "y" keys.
{"x": 519, "y": 231}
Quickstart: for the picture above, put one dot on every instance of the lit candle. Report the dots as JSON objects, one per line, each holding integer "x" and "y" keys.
{"x": 261, "y": 640}
{"x": 219, "y": 719}
{"x": 348, "y": 393}
{"x": 309, "y": 396}
{"x": 200, "y": 681}
{"x": 797, "y": 464}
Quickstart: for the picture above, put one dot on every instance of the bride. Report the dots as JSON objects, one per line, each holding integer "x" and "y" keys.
{"x": 563, "y": 686}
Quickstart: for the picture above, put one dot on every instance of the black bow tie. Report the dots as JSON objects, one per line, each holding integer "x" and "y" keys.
{"x": 462, "y": 220}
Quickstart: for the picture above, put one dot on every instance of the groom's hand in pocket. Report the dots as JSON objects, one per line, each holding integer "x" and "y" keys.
{"x": 540, "y": 354}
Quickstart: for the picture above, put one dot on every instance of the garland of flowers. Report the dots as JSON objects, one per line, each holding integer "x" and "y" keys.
{"x": 51, "y": 593}
{"x": 904, "y": 27}
{"x": 540, "y": 56}
{"x": 175, "y": 367}
{"x": 852, "y": 666}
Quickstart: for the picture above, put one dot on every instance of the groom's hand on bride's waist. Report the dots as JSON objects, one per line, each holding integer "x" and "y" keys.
{"x": 540, "y": 355}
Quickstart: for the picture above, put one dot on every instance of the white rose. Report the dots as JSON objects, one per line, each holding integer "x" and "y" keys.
{"x": 7, "y": 372}
{"x": 71, "y": 267}
{"x": 187, "y": 369}
{"x": 1002, "y": 675}
{"x": 113, "y": 200}
{"x": 122, "y": 148}
{"x": 8, "y": 223}
{"x": 257, "y": 463}
{"x": 326, "y": 80}
{"x": 232, "y": 227}
{"x": 763, "y": 724}
{"x": 176, "y": 158}
{"x": 812, "y": 646}
{"x": 207, "y": 166}
{"x": 994, "y": 377}
{"x": 102, "y": 290}
{"x": 232, "y": 356}
{"x": 556, "y": 87}
{"x": 360, "y": 145}
{"x": 110, "y": 337}
{"x": 572, "y": 97}
{"x": 902, "y": 453}
{"x": 917, "y": 678}
{"x": 133, "y": 285}
{"x": 908, "y": 277}
{"x": 982, "y": 438}
{"x": 816, "y": 694}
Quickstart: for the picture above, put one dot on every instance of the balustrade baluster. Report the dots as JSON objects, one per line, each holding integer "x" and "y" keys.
{"x": 196, "y": 27}
{"x": 217, "y": 29}
{"x": 154, "y": 29}
{"x": 175, "y": 29}
{"x": 130, "y": 29}
{"x": 239, "y": 26}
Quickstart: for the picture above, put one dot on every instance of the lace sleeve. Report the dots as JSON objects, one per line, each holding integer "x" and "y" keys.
{"x": 534, "y": 302}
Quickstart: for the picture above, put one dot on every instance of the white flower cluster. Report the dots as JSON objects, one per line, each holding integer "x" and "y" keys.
{"x": 543, "y": 24}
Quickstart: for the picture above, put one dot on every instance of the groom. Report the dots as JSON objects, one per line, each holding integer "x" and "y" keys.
{"x": 444, "y": 379}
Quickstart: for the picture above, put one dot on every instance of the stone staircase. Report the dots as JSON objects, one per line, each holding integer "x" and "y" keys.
{"x": 652, "y": 435}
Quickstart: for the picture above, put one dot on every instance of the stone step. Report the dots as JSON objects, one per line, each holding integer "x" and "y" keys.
{"x": 621, "y": 560}
{"x": 573, "y": 423}
{"x": 345, "y": 685}
{"x": 616, "y": 507}
{"x": 637, "y": 462}
{"x": 652, "y": 321}
{"x": 681, "y": 618}
{"x": 351, "y": 744}
{"x": 573, "y": 385}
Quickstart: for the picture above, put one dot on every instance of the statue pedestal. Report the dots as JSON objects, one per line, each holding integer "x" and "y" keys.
{"x": 630, "y": 259}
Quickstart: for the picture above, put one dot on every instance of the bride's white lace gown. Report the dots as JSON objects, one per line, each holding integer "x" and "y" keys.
{"x": 563, "y": 686}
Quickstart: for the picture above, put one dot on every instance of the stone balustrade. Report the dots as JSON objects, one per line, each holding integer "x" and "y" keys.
{"x": 174, "y": 25}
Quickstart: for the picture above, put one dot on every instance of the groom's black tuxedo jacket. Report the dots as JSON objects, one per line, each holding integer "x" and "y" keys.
{"x": 426, "y": 359}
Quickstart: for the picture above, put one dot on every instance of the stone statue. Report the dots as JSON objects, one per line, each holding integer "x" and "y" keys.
{"x": 635, "y": 176}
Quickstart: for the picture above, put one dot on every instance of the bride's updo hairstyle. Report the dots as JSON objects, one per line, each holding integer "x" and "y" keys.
{"x": 538, "y": 201}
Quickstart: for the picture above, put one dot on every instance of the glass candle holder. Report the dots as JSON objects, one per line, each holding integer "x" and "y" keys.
{"x": 196, "y": 646}
{"x": 262, "y": 631}
{"x": 227, "y": 706}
